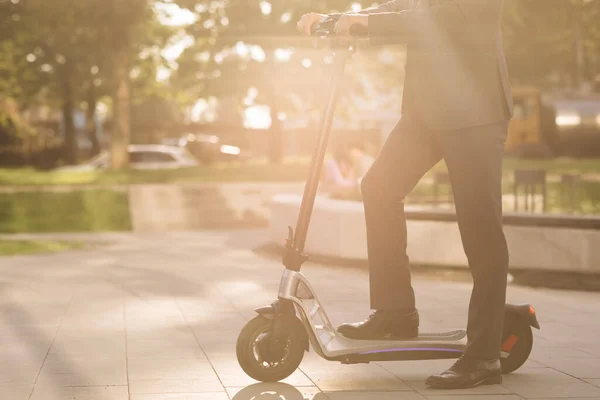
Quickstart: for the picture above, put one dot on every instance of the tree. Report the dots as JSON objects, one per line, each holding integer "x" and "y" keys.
{"x": 240, "y": 44}
{"x": 124, "y": 29}
{"x": 546, "y": 38}
{"x": 80, "y": 51}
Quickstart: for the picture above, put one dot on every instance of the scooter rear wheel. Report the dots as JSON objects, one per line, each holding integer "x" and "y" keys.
{"x": 517, "y": 345}
{"x": 262, "y": 358}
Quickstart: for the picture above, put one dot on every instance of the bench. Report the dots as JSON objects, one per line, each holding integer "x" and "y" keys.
{"x": 536, "y": 241}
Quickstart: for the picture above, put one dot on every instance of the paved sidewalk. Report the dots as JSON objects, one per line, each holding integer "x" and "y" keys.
{"x": 155, "y": 317}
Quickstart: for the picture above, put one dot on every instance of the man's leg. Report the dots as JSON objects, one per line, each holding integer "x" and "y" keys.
{"x": 474, "y": 160}
{"x": 406, "y": 156}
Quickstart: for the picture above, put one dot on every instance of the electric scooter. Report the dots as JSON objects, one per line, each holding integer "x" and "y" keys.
{"x": 271, "y": 346}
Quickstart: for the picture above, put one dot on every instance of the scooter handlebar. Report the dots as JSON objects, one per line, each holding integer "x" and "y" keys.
{"x": 326, "y": 27}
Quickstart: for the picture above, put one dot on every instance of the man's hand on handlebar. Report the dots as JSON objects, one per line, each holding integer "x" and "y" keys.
{"x": 307, "y": 21}
{"x": 350, "y": 23}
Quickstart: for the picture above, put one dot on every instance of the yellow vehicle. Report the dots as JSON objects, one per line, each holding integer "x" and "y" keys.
{"x": 532, "y": 131}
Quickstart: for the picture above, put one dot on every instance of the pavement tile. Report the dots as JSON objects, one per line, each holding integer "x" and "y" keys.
{"x": 116, "y": 378}
{"x": 154, "y": 335}
{"x": 420, "y": 387}
{"x": 354, "y": 377}
{"x": 85, "y": 347}
{"x": 583, "y": 368}
{"x": 547, "y": 353}
{"x": 165, "y": 352}
{"x": 46, "y": 392}
{"x": 85, "y": 365}
{"x": 15, "y": 391}
{"x": 181, "y": 396}
{"x": 476, "y": 397}
{"x": 150, "y": 386}
{"x": 17, "y": 377}
{"x": 595, "y": 382}
{"x": 416, "y": 370}
{"x": 554, "y": 390}
{"x": 219, "y": 350}
{"x": 536, "y": 375}
{"x": 532, "y": 364}
{"x": 363, "y": 395}
{"x": 171, "y": 333}
{"x": 170, "y": 368}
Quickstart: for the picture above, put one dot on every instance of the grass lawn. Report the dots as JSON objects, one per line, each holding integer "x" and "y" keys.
{"x": 104, "y": 210}
{"x": 292, "y": 170}
{"x": 257, "y": 171}
{"x": 14, "y": 247}
{"x": 76, "y": 211}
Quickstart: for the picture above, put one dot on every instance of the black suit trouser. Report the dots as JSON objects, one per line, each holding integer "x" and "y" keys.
{"x": 474, "y": 160}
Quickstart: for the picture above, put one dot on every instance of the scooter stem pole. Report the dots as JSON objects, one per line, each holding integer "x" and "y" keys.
{"x": 312, "y": 184}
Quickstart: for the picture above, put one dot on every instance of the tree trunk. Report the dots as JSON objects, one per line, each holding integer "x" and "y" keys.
{"x": 121, "y": 130}
{"x": 579, "y": 50}
{"x": 92, "y": 102}
{"x": 67, "y": 111}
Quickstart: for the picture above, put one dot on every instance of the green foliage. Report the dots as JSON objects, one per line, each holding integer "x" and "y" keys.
{"x": 544, "y": 39}
{"x": 21, "y": 247}
{"x": 236, "y": 50}
{"x": 257, "y": 171}
{"x": 77, "y": 211}
{"x": 66, "y": 51}
{"x": 13, "y": 129}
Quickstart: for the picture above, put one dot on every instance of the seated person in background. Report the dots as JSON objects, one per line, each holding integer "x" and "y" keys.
{"x": 361, "y": 160}
{"x": 339, "y": 173}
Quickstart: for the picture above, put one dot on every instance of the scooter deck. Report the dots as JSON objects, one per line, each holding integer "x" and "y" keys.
{"x": 427, "y": 346}
{"x": 441, "y": 336}
{"x": 449, "y": 336}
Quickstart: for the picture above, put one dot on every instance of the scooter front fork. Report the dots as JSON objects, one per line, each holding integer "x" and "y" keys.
{"x": 282, "y": 314}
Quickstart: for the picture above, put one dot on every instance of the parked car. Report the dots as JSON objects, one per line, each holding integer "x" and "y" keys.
{"x": 209, "y": 148}
{"x": 143, "y": 157}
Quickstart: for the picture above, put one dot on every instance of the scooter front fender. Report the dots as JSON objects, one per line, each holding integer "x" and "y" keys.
{"x": 268, "y": 312}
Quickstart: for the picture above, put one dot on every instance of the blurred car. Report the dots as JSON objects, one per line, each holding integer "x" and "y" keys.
{"x": 578, "y": 122}
{"x": 208, "y": 148}
{"x": 143, "y": 157}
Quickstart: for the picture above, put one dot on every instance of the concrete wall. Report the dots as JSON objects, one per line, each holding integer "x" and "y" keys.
{"x": 338, "y": 230}
{"x": 185, "y": 207}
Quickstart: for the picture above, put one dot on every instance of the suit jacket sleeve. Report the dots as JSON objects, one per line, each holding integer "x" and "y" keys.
{"x": 390, "y": 6}
{"x": 442, "y": 18}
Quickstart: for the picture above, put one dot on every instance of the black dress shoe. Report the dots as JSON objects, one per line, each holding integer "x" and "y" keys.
{"x": 383, "y": 325}
{"x": 466, "y": 373}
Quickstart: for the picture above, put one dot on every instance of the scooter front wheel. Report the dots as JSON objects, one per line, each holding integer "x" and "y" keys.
{"x": 266, "y": 359}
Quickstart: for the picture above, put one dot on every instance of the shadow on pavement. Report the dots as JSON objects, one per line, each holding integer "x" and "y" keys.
{"x": 273, "y": 391}
{"x": 63, "y": 371}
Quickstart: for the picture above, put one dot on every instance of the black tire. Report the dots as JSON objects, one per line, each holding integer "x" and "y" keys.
{"x": 522, "y": 347}
{"x": 262, "y": 371}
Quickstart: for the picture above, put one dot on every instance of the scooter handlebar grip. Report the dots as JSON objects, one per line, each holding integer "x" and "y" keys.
{"x": 326, "y": 27}
{"x": 323, "y": 27}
